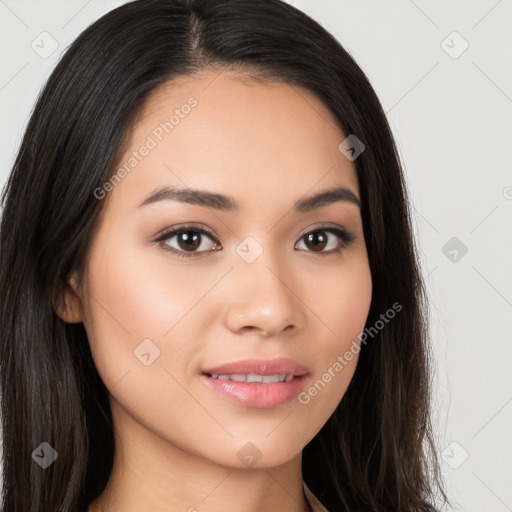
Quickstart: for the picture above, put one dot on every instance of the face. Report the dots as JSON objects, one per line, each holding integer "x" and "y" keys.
{"x": 278, "y": 290}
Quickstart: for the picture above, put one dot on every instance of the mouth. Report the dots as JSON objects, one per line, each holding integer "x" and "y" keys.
{"x": 281, "y": 366}
{"x": 257, "y": 383}
{"x": 253, "y": 377}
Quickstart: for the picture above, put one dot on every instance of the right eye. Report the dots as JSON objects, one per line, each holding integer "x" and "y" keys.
{"x": 189, "y": 239}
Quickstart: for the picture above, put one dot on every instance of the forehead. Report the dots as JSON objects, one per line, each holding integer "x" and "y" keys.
{"x": 220, "y": 130}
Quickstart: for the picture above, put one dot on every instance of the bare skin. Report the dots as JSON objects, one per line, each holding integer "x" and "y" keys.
{"x": 267, "y": 146}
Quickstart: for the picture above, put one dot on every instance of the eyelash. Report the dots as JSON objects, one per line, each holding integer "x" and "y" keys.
{"x": 344, "y": 236}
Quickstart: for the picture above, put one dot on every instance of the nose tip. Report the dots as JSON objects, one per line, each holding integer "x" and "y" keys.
{"x": 260, "y": 300}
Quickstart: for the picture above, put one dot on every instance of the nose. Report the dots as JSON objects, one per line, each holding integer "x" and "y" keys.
{"x": 264, "y": 299}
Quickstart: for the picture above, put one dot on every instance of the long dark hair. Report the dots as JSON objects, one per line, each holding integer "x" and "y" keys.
{"x": 377, "y": 451}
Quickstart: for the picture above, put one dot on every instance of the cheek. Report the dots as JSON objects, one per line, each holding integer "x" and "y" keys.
{"x": 141, "y": 309}
{"x": 144, "y": 297}
{"x": 133, "y": 323}
{"x": 341, "y": 304}
{"x": 341, "y": 300}
{"x": 130, "y": 309}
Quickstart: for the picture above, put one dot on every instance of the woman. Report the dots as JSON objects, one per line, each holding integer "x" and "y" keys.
{"x": 210, "y": 293}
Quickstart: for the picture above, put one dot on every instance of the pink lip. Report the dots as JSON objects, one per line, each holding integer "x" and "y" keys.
{"x": 255, "y": 394}
{"x": 260, "y": 367}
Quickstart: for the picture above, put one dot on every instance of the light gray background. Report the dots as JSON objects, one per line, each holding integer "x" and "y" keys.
{"x": 450, "y": 112}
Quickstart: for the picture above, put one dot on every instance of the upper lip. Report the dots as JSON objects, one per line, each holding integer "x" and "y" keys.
{"x": 280, "y": 365}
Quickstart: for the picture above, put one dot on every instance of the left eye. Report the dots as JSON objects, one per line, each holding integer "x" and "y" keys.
{"x": 319, "y": 239}
{"x": 191, "y": 241}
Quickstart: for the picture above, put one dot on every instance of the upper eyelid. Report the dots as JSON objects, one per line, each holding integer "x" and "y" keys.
{"x": 201, "y": 228}
{"x": 173, "y": 231}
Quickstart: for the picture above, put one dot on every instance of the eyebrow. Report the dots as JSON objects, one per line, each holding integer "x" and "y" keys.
{"x": 229, "y": 204}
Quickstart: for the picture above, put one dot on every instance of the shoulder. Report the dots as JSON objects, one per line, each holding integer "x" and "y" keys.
{"x": 317, "y": 506}
{"x": 312, "y": 499}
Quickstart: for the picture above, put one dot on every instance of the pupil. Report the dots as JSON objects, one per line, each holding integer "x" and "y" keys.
{"x": 317, "y": 239}
{"x": 191, "y": 242}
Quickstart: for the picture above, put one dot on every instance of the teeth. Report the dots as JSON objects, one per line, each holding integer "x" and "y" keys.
{"x": 252, "y": 377}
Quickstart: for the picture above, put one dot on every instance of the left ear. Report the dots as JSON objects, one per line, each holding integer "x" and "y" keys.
{"x": 69, "y": 304}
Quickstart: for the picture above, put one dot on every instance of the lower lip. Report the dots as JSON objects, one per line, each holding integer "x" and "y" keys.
{"x": 255, "y": 394}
